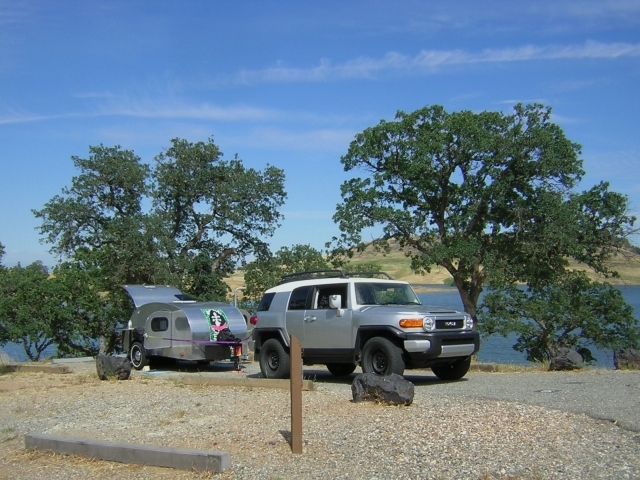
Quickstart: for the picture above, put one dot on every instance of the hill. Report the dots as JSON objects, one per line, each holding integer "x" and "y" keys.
{"x": 398, "y": 266}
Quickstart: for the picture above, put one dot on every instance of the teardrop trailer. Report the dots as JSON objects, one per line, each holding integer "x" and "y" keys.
{"x": 167, "y": 324}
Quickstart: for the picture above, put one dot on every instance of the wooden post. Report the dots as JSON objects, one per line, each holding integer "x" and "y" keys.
{"x": 296, "y": 395}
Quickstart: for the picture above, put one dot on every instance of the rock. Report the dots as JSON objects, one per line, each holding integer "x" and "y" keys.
{"x": 113, "y": 367}
{"x": 628, "y": 359}
{"x": 392, "y": 389}
{"x": 566, "y": 359}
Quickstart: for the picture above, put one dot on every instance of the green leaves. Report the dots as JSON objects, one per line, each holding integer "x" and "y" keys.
{"x": 188, "y": 220}
{"x": 265, "y": 272}
{"x": 488, "y": 196}
{"x": 38, "y": 309}
{"x": 572, "y": 312}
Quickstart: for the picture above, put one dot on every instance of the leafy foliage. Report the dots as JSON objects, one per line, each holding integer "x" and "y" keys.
{"x": 574, "y": 312}
{"x": 204, "y": 216}
{"x": 265, "y": 272}
{"x": 39, "y": 309}
{"x": 487, "y": 196}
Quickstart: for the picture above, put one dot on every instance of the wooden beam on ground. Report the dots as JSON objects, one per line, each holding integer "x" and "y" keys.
{"x": 34, "y": 368}
{"x": 179, "y": 458}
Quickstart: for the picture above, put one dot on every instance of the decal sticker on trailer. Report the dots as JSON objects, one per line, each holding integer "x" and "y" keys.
{"x": 217, "y": 322}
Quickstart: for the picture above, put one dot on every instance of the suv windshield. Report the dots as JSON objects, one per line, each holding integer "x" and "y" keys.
{"x": 381, "y": 293}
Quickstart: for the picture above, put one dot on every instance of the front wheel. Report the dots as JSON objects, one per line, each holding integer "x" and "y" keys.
{"x": 453, "y": 371}
{"x": 382, "y": 357}
{"x": 274, "y": 360}
{"x": 341, "y": 369}
{"x": 137, "y": 356}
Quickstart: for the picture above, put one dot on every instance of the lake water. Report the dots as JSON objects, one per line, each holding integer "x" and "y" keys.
{"x": 493, "y": 349}
{"x": 499, "y": 349}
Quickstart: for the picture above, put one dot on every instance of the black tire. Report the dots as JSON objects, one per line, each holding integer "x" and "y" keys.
{"x": 274, "y": 360}
{"x": 453, "y": 371}
{"x": 137, "y": 356}
{"x": 341, "y": 369}
{"x": 382, "y": 357}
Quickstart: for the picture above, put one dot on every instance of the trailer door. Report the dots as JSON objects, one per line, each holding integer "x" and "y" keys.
{"x": 158, "y": 330}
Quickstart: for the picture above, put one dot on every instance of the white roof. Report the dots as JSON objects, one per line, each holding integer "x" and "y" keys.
{"x": 288, "y": 286}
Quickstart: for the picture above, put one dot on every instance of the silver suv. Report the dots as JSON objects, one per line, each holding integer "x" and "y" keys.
{"x": 345, "y": 320}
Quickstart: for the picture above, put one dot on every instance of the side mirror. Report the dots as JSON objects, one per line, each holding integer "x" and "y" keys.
{"x": 335, "y": 302}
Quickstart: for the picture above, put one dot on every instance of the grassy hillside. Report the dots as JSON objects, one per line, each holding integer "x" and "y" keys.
{"x": 397, "y": 265}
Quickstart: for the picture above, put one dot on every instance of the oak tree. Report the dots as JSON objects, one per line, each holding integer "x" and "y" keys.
{"x": 488, "y": 196}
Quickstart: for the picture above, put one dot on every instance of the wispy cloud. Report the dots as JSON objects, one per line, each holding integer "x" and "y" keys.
{"x": 13, "y": 117}
{"x": 151, "y": 109}
{"x": 432, "y": 60}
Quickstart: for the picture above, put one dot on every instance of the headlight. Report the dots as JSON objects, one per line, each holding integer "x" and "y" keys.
{"x": 429, "y": 324}
{"x": 468, "y": 322}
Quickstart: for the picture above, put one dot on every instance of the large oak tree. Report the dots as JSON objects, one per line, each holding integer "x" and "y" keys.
{"x": 488, "y": 196}
{"x": 187, "y": 220}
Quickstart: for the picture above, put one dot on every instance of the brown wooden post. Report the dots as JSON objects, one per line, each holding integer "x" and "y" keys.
{"x": 296, "y": 395}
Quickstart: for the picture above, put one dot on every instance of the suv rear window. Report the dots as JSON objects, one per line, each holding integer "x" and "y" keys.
{"x": 265, "y": 303}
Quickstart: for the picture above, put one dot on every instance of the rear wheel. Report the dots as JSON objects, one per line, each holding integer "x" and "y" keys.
{"x": 274, "y": 360}
{"x": 137, "y": 356}
{"x": 453, "y": 371}
{"x": 341, "y": 369}
{"x": 382, "y": 357}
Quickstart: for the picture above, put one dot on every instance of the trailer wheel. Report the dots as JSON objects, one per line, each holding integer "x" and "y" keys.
{"x": 274, "y": 360}
{"x": 137, "y": 356}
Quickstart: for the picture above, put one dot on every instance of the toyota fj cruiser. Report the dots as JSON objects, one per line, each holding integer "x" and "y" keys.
{"x": 348, "y": 319}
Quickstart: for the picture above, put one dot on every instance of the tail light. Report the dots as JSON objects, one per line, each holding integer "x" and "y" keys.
{"x": 253, "y": 320}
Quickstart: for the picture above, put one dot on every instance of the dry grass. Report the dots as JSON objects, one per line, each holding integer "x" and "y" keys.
{"x": 398, "y": 266}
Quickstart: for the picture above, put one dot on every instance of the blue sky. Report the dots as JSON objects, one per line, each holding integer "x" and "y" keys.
{"x": 290, "y": 83}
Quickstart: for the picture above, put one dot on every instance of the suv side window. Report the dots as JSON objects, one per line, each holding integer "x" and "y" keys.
{"x": 298, "y": 299}
{"x": 265, "y": 303}
{"x": 323, "y": 294}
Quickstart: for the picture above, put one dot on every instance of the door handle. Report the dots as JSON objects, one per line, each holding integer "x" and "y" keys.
{"x": 310, "y": 319}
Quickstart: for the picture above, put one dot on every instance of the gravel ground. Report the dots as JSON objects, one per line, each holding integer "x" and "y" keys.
{"x": 440, "y": 436}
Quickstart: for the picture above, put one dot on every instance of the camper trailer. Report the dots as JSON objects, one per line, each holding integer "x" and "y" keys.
{"x": 167, "y": 324}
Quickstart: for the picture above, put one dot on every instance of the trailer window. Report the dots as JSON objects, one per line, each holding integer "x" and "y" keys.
{"x": 182, "y": 323}
{"x": 160, "y": 324}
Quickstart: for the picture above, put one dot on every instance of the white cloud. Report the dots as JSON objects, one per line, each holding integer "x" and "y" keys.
{"x": 154, "y": 109}
{"x": 430, "y": 60}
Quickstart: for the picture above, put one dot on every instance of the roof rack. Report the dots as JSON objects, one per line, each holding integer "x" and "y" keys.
{"x": 368, "y": 275}
{"x": 312, "y": 274}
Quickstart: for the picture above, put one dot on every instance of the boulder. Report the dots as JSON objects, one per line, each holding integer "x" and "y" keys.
{"x": 391, "y": 390}
{"x": 566, "y": 359}
{"x": 113, "y": 367}
{"x": 628, "y": 359}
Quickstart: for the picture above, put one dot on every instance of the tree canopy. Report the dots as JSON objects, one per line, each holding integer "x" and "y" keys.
{"x": 206, "y": 215}
{"x": 572, "y": 312}
{"x": 265, "y": 272}
{"x": 187, "y": 220}
{"x": 488, "y": 196}
{"x": 39, "y": 308}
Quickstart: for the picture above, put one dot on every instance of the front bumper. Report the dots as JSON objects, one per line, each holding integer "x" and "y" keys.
{"x": 432, "y": 346}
